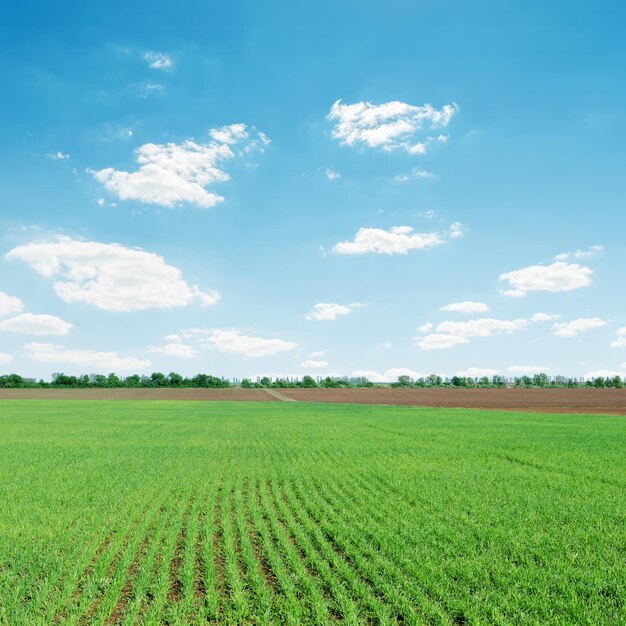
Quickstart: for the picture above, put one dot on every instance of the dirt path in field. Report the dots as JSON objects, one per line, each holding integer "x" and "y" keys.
{"x": 279, "y": 396}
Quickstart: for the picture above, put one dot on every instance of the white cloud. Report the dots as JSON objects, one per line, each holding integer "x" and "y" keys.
{"x": 32, "y": 324}
{"x": 5, "y": 358}
{"x": 579, "y": 254}
{"x": 174, "y": 347}
{"x": 477, "y": 372}
{"x": 175, "y": 173}
{"x": 109, "y": 275}
{"x": 396, "y": 240}
{"x": 620, "y": 342}
{"x": 388, "y": 126}
{"x": 325, "y": 311}
{"x": 439, "y": 341}
{"x": 311, "y": 364}
{"x": 416, "y": 172}
{"x": 390, "y": 376}
{"x": 467, "y": 306}
{"x": 318, "y": 353}
{"x": 528, "y": 369}
{"x": 59, "y": 156}
{"x": 577, "y": 326}
{"x": 427, "y": 215}
{"x": 100, "y": 201}
{"x": 483, "y": 327}
{"x": 425, "y": 328}
{"x": 77, "y": 358}
{"x": 556, "y": 277}
{"x": 158, "y": 60}
{"x": 9, "y": 304}
{"x": 456, "y": 230}
{"x": 233, "y": 341}
{"x": 332, "y": 174}
{"x": 605, "y": 373}
{"x": 544, "y": 317}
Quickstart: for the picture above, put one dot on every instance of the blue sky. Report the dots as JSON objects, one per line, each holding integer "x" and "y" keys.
{"x": 288, "y": 189}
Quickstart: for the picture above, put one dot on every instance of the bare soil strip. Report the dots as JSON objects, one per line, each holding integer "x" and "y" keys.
{"x": 598, "y": 401}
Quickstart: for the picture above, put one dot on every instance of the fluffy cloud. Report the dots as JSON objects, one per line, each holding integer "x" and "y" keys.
{"x": 579, "y": 254}
{"x": 102, "y": 361}
{"x": 439, "y": 341}
{"x": 620, "y": 342}
{"x": 425, "y": 328}
{"x": 9, "y": 304}
{"x": 544, "y": 317}
{"x": 311, "y": 364}
{"x": 477, "y": 372}
{"x": 175, "y": 173}
{"x": 451, "y": 333}
{"x": 528, "y": 369}
{"x": 390, "y": 376}
{"x": 5, "y": 358}
{"x": 557, "y": 277}
{"x": 332, "y": 174}
{"x": 575, "y": 327}
{"x": 483, "y": 327}
{"x": 325, "y": 311}
{"x": 233, "y": 341}
{"x": 158, "y": 60}
{"x": 389, "y": 126}
{"x": 32, "y": 324}
{"x": 110, "y": 276}
{"x": 396, "y": 240}
{"x": 467, "y": 306}
{"x": 174, "y": 347}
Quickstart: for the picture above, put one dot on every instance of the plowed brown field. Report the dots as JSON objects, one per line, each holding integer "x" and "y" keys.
{"x": 536, "y": 400}
{"x": 609, "y": 401}
{"x": 239, "y": 395}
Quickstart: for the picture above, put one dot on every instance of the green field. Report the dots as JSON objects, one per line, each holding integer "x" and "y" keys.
{"x": 188, "y": 512}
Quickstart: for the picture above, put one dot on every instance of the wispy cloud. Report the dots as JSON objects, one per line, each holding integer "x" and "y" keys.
{"x": 326, "y": 311}
{"x": 158, "y": 60}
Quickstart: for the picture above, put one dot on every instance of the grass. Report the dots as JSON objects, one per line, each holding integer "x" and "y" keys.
{"x": 188, "y": 513}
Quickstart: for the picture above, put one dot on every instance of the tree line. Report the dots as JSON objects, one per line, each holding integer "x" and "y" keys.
{"x": 175, "y": 380}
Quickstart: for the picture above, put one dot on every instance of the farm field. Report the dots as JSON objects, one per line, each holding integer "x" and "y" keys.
{"x": 168, "y": 512}
{"x": 585, "y": 400}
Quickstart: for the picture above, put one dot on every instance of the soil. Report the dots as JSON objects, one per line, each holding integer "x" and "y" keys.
{"x": 608, "y": 401}
{"x": 535, "y": 400}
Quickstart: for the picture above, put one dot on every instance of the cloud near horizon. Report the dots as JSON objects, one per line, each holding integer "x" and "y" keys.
{"x": 110, "y": 276}
{"x": 102, "y": 361}
{"x": 233, "y": 341}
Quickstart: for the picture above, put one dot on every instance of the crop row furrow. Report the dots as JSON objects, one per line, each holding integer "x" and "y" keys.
{"x": 311, "y": 605}
{"x": 416, "y": 575}
{"x": 344, "y": 564}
